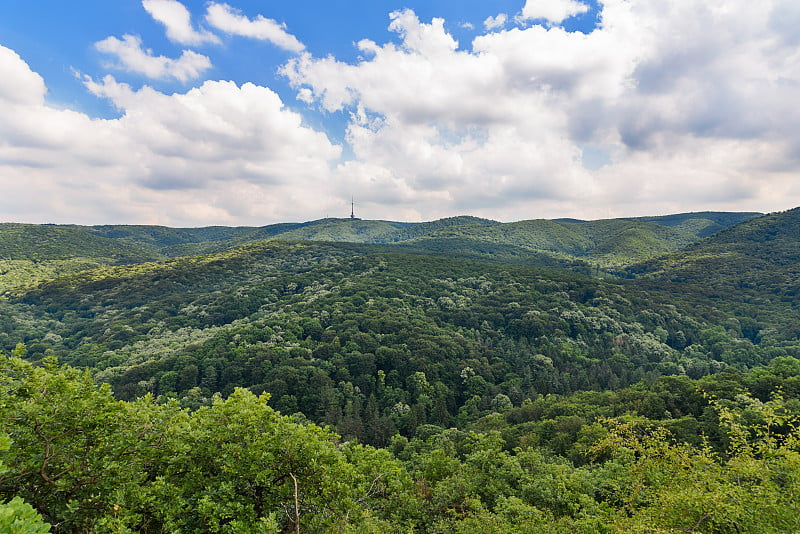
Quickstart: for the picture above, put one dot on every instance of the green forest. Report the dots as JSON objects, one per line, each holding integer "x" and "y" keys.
{"x": 461, "y": 375}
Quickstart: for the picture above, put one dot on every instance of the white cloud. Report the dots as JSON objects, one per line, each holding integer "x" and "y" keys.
{"x": 26, "y": 86}
{"x": 663, "y": 107}
{"x": 227, "y": 19}
{"x": 450, "y": 131}
{"x": 218, "y": 123}
{"x": 178, "y": 22}
{"x": 217, "y": 154}
{"x": 430, "y": 40}
{"x": 666, "y": 93}
{"x": 493, "y": 23}
{"x": 132, "y": 57}
{"x": 553, "y": 11}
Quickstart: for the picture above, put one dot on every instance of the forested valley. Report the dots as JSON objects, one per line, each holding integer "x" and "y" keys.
{"x": 463, "y": 375}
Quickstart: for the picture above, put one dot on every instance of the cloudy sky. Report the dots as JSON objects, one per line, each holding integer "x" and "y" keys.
{"x": 194, "y": 112}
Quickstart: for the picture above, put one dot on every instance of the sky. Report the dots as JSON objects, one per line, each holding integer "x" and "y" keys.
{"x": 251, "y": 112}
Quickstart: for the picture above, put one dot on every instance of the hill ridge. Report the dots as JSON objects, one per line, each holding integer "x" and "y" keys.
{"x": 30, "y": 252}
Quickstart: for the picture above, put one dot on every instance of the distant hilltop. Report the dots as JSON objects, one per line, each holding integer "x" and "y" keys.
{"x": 606, "y": 243}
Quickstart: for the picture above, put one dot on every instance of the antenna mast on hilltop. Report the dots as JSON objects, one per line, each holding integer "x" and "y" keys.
{"x": 352, "y": 208}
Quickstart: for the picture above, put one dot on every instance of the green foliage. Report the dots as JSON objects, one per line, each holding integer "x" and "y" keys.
{"x": 514, "y": 388}
{"x": 30, "y": 253}
{"x": 92, "y": 464}
{"x": 236, "y": 461}
{"x": 19, "y": 517}
{"x": 671, "y": 486}
{"x": 66, "y": 454}
{"x": 344, "y": 334}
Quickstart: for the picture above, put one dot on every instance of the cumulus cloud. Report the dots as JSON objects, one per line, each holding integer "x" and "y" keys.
{"x": 220, "y": 153}
{"x": 553, "y": 11}
{"x": 663, "y": 107}
{"x": 25, "y": 87}
{"x": 218, "y": 124}
{"x": 178, "y": 22}
{"x": 132, "y": 57}
{"x": 493, "y": 23}
{"x": 660, "y": 108}
{"x": 231, "y": 21}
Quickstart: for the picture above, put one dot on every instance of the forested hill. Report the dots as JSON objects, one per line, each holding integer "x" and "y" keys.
{"x": 757, "y": 261}
{"x": 701, "y": 224}
{"x": 42, "y": 242}
{"x": 610, "y": 242}
{"x": 130, "y": 243}
{"x": 34, "y": 252}
{"x": 31, "y": 252}
{"x": 504, "y": 393}
{"x": 330, "y": 329}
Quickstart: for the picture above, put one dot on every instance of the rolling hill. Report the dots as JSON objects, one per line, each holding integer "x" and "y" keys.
{"x": 320, "y": 305}
{"x": 760, "y": 253}
{"x": 701, "y": 224}
{"x": 607, "y": 242}
{"x": 751, "y": 269}
{"x": 31, "y": 252}
{"x": 37, "y": 252}
{"x": 487, "y": 362}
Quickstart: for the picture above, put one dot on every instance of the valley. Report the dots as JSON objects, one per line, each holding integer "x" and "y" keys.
{"x": 545, "y": 348}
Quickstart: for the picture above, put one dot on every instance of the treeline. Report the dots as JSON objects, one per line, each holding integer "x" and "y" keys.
{"x": 77, "y": 460}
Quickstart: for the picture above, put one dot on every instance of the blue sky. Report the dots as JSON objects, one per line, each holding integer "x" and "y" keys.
{"x": 62, "y": 42}
{"x": 191, "y": 113}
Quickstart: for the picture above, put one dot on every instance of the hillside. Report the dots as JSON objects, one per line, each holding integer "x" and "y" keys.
{"x": 42, "y": 242}
{"x": 31, "y": 252}
{"x": 701, "y": 224}
{"x": 347, "y": 230}
{"x": 759, "y": 256}
{"x": 38, "y": 252}
{"x": 606, "y": 242}
{"x": 429, "y": 228}
{"x": 477, "y": 367}
{"x": 171, "y": 242}
{"x": 751, "y": 269}
{"x": 278, "y": 316}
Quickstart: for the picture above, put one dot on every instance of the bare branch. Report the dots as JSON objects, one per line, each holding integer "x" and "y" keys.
{"x": 296, "y": 505}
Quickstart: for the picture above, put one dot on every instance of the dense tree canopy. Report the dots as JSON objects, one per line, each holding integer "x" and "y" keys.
{"x": 88, "y": 462}
{"x": 466, "y": 378}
